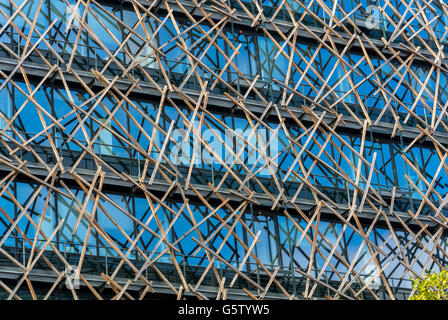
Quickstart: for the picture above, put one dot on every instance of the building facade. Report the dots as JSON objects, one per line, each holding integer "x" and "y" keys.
{"x": 226, "y": 149}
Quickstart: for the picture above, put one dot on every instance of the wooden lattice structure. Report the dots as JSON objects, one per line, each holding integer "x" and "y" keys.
{"x": 222, "y": 148}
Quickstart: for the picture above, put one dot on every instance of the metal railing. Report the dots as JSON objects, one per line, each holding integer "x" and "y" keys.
{"x": 100, "y": 258}
{"x": 177, "y": 70}
{"x": 126, "y": 159}
{"x": 359, "y": 17}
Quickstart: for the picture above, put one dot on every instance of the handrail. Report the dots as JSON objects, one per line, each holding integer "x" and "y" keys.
{"x": 98, "y": 252}
{"x": 269, "y": 86}
{"x": 127, "y": 163}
